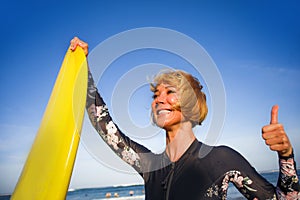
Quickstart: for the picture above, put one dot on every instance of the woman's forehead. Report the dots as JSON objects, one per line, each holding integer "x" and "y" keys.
{"x": 163, "y": 86}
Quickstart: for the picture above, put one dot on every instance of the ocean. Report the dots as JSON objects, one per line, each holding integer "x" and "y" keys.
{"x": 136, "y": 192}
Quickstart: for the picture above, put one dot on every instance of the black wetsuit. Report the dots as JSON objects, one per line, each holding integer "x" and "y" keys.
{"x": 202, "y": 172}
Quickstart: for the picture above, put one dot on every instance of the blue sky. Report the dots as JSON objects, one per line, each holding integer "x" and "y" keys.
{"x": 255, "y": 45}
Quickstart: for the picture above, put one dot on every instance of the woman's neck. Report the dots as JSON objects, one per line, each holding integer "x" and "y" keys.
{"x": 179, "y": 140}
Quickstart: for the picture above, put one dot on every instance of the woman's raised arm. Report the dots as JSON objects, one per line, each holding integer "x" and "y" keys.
{"x": 128, "y": 150}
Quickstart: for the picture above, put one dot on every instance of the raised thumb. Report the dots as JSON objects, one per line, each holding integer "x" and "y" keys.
{"x": 274, "y": 114}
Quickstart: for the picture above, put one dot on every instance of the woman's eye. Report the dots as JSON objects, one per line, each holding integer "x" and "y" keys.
{"x": 154, "y": 96}
{"x": 171, "y": 92}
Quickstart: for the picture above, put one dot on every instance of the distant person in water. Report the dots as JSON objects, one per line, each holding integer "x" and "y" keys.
{"x": 179, "y": 173}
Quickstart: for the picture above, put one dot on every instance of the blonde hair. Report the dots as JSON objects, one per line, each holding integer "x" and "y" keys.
{"x": 192, "y": 101}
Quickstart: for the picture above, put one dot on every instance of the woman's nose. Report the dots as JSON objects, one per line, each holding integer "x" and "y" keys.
{"x": 160, "y": 99}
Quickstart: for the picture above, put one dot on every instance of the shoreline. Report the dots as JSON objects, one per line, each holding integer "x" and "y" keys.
{"x": 124, "y": 186}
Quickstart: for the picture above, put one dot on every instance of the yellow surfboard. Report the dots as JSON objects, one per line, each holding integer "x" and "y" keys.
{"x": 48, "y": 168}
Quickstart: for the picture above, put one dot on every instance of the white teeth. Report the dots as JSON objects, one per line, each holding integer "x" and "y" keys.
{"x": 163, "y": 112}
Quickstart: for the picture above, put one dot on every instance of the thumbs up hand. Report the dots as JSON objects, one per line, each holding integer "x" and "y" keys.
{"x": 275, "y": 136}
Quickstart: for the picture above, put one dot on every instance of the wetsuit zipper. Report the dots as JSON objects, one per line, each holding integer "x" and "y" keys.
{"x": 169, "y": 181}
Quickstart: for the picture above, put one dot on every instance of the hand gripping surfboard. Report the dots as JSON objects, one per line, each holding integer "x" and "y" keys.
{"x": 48, "y": 168}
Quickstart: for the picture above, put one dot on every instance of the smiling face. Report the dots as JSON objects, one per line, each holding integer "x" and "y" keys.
{"x": 165, "y": 101}
{"x": 177, "y": 96}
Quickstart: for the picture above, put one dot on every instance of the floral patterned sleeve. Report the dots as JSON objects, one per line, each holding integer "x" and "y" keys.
{"x": 128, "y": 150}
{"x": 288, "y": 182}
{"x": 234, "y": 168}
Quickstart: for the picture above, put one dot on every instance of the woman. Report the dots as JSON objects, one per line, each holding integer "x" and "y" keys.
{"x": 180, "y": 172}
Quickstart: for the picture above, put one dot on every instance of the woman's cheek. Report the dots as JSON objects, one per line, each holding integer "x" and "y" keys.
{"x": 173, "y": 100}
{"x": 153, "y": 105}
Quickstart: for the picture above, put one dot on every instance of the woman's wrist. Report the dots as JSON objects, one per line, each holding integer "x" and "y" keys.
{"x": 288, "y": 154}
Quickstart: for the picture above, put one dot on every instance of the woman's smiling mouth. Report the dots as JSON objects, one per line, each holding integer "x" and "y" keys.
{"x": 163, "y": 111}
